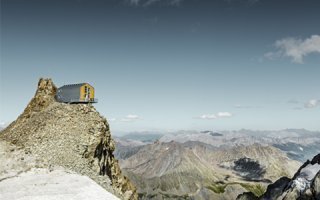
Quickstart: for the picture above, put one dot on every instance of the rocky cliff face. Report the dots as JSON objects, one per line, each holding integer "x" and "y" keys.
{"x": 73, "y": 136}
{"x": 305, "y": 185}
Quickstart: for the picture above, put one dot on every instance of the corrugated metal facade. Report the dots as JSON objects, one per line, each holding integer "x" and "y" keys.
{"x": 75, "y": 93}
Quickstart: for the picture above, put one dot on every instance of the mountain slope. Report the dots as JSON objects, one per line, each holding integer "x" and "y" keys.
{"x": 293, "y": 141}
{"x": 73, "y": 136}
{"x": 197, "y": 170}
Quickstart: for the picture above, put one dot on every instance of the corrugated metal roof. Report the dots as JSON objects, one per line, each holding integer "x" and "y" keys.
{"x": 78, "y": 85}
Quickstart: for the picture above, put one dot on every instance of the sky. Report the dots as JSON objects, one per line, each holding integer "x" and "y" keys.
{"x": 160, "y": 65}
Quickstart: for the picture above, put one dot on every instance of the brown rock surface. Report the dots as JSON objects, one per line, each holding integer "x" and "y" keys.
{"x": 73, "y": 136}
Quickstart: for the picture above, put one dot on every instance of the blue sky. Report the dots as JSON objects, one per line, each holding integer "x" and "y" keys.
{"x": 169, "y": 65}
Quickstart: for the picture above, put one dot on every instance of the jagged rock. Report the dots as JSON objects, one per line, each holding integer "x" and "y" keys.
{"x": 275, "y": 189}
{"x": 73, "y": 136}
{"x": 305, "y": 184}
{"x": 247, "y": 196}
{"x": 316, "y": 160}
{"x": 315, "y": 186}
{"x": 300, "y": 187}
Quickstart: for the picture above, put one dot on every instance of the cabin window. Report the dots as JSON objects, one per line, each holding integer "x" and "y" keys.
{"x": 85, "y": 92}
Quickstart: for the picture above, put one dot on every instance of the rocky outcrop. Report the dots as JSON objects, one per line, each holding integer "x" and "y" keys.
{"x": 73, "y": 136}
{"x": 275, "y": 189}
{"x": 305, "y": 184}
{"x": 315, "y": 186}
{"x": 247, "y": 196}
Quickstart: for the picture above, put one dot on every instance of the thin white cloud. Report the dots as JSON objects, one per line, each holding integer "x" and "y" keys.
{"x": 151, "y": 2}
{"x": 3, "y": 125}
{"x": 208, "y": 116}
{"x": 242, "y": 106}
{"x": 215, "y": 116}
{"x": 224, "y": 114}
{"x": 112, "y": 119}
{"x": 312, "y": 103}
{"x": 239, "y": 106}
{"x": 293, "y": 101}
{"x": 294, "y": 48}
{"x": 130, "y": 118}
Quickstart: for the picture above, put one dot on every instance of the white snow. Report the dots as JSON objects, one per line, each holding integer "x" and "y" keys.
{"x": 310, "y": 171}
{"x": 307, "y": 174}
{"x": 40, "y": 184}
{"x": 301, "y": 184}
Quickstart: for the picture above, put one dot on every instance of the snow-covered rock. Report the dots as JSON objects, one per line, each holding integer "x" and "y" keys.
{"x": 305, "y": 184}
{"x": 39, "y": 184}
{"x": 303, "y": 181}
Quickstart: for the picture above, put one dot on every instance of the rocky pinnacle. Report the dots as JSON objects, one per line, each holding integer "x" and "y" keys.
{"x": 73, "y": 136}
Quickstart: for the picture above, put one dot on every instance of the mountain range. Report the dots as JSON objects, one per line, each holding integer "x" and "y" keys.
{"x": 212, "y": 164}
{"x": 54, "y": 145}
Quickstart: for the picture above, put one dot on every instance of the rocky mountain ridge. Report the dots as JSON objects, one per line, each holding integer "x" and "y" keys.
{"x": 298, "y": 144}
{"x": 195, "y": 170}
{"x": 304, "y": 185}
{"x": 73, "y": 136}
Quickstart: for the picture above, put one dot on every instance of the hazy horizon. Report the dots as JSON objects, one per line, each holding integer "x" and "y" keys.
{"x": 169, "y": 64}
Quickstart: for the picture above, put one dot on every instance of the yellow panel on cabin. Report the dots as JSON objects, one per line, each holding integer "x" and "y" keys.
{"x": 83, "y": 92}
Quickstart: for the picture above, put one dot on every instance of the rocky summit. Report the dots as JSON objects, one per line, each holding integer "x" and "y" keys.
{"x": 304, "y": 185}
{"x": 73, "y": 136}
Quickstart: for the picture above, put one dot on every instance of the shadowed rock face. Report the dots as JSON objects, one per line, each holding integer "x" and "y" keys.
{"x": 247, "y": 196}
{"x": 216, "y": 134}
{"x": 73, "y": 136}
{"x": 249, "y": 168}
{"x": 305, "y": 184}
{"x": 274, "y": 190}
{"x": 315, "y": 186}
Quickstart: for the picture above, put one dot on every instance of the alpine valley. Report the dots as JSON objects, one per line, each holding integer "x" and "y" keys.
{"x": 214, "y": 164}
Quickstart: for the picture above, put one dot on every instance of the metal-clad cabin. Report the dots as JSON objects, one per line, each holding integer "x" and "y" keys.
{"x": 76, "y": 93}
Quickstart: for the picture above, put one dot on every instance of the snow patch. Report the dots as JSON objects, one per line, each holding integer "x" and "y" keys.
{"x": 39, "y": 184}
{"x": 307, "y": 174}
{"x": 310, "y": 171}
